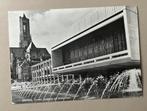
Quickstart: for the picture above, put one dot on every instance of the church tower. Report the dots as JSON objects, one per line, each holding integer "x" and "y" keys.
{"x": 25, "y": 37}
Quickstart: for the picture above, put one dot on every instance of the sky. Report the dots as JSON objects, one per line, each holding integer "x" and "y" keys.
{"x": 47, "y": 28}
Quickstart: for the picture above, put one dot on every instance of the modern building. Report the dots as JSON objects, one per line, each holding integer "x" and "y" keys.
{"x": 26, "y": 55}
{"x": 42, "y": 74}
{"x": 41, "y": 71}
{"x": 104, "y": 39}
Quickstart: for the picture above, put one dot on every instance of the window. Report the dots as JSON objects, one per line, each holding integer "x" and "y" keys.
{"x": 24, "y": 27}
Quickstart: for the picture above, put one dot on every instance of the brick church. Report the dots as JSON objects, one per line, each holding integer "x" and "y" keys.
{"x": 26, "y": 55}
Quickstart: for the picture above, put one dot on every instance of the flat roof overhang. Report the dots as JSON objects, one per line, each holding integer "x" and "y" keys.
{"x": 100, "y": 24}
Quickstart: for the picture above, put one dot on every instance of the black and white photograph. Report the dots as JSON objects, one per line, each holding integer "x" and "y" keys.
{"x": 74, "y": 54}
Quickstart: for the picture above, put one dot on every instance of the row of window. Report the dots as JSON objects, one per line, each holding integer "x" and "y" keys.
{"x": 41, "y": 73}
{"x": 41, "y": 65}
{"x": 41, "y": 69}
{"x": 53, "y": 78}
{"x": 106, "y": 40}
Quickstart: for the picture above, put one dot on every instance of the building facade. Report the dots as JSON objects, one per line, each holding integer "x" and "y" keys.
{"x": 26, "y": 55}
{"x": 42, "y": 74}
{"x": 109, "y": 39}
{"x": 41, "y": 71}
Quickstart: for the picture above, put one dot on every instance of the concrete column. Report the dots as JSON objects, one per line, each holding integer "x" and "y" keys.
{"x": 73, "y": 77}
{"x": 39, "y": 80}
{"x": 80, "y": 78}
{"x": 59, "y": 80}
{"x": 67, "y": 78}
{"x": 48, "y": 70}
{"x": 62, "y": 78}
{"x": 42, "y": 73}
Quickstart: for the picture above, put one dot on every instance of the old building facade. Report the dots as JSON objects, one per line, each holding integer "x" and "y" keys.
{"x": 26, "y": 55}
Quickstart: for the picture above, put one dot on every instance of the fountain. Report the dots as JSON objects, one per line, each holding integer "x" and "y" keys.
{"x": 69, "y": 90}
{"x": 107, "y": 85}
{"x": 122, "y": 84}
{"x": 40, "y": 91}
{"x": 48, "y": 90}
{"x": 96, "y": 87}
{"x": 127, "y": 83}
{"x": 37, "y": 92}
{"x": 33, "y": 93}
{"x": 43, "y": 93}
{"x": 83, "y": 89}
{"x": 53, "y": 92}
{"x": 60, "y": 91}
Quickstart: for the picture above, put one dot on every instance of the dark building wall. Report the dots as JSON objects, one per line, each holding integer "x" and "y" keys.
{"x": 39, "y": 54}
{"x": 16, "y": 54}
{"x": 13, "y": 67}
{"x": 26, "y": 72}
{"x": 57, "y": 55}
{"x": 106, "y": 40}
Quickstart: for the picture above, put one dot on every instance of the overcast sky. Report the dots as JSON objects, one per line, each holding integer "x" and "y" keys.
{"x": 47, "y": 28}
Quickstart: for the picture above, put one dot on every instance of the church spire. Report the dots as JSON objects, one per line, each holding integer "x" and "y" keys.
{"x": 24, "y": 16}
{"x": 25, "y": 36}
